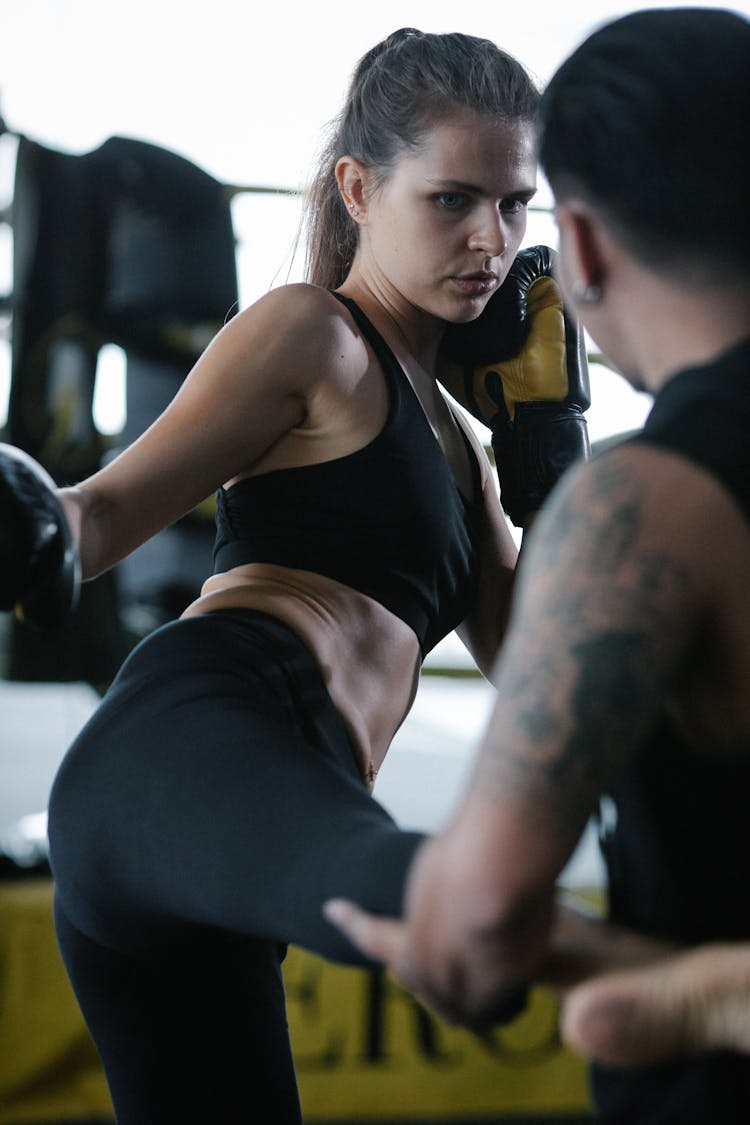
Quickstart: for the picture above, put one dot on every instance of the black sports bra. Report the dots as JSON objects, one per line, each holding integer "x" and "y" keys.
{"x": 387, "y": 520}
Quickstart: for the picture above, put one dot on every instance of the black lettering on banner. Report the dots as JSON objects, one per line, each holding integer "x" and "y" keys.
{"x": 506, "y": 1044}
{"x": 368, "y": 1021}
{"x": 381, "y": 994}
{"x": 304, "y": 998}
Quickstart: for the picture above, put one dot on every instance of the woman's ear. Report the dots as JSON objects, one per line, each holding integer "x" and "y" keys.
{"x": 351, "y": 177}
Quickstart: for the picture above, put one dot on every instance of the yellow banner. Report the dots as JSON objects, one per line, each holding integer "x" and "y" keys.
{"x": 364, "y": 1049}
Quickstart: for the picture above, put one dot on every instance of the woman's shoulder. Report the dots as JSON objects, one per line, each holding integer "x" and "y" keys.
{"x": 298, "y": 303}
{"x": 301, "y": 316}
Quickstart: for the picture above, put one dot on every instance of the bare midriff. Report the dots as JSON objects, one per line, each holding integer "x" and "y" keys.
{"x": 369, "y": 658}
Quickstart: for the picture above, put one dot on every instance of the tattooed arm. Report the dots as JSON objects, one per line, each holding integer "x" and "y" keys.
{"x": 612, "y": 593}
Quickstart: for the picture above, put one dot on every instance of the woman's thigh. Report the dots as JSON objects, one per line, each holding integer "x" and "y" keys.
{"x": 216, "y": 786}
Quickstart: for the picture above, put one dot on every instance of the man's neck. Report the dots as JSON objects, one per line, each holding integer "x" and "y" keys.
{"x": 681, "y": 328}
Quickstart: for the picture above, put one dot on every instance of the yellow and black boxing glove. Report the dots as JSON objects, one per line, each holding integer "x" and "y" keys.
{"x": 521, "y": 369}
{"x": 39, "y": 563}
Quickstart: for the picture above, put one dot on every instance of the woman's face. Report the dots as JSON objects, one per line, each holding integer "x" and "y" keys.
{"x": 442, "y": 231}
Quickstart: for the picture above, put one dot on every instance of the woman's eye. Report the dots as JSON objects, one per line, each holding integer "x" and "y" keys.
{"x": 451, "y": 200}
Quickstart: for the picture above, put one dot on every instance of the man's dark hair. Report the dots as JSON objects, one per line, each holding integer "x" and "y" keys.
{"x": 649, "y": 120}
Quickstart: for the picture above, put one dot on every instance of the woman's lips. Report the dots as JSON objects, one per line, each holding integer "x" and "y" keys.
{"x": 476, "y": 284}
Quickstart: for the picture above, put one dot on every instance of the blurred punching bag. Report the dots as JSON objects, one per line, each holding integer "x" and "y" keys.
{"x": 171, "y": 278}
{"x": 58, "y": 278}
{"x": 59, "y": 248}
{"x": 171, "y": 282}
{"x": 129, "y": 244}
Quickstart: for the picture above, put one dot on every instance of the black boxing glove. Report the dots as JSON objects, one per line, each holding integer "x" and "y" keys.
{"x": 39, "y": 564}
{"x": 521, "y": 369}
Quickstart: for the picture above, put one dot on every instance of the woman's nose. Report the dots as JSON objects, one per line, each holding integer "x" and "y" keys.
{"x": 489, "y": 233}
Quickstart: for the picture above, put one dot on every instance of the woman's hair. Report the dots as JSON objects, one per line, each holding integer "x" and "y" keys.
{"x": 649, "y": 120}
{"x": 400, "y": 89}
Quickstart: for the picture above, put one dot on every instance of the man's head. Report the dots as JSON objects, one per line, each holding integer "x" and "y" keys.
{"x": 647, "y": 121}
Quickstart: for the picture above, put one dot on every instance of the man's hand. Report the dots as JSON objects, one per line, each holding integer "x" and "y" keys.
{"x": 379, "y": 938}
{"x": 455, "y": 948}
{"x": 584, "y": 945}
{"x": 628, "y": 999}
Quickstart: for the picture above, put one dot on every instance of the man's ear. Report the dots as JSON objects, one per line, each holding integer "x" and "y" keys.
{"x": 352, "y": 177}
{"x": 582, "y": 247}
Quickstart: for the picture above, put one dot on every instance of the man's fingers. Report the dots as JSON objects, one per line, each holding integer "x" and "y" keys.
{"x": 385, "y": 940}
{"x": 382, "y": 939}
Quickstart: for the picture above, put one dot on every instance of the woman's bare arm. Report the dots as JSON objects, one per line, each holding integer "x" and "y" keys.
{"x": 247, "y": 390}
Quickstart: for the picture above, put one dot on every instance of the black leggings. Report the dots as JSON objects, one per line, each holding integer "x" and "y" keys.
{"x": 199, "y": 821}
